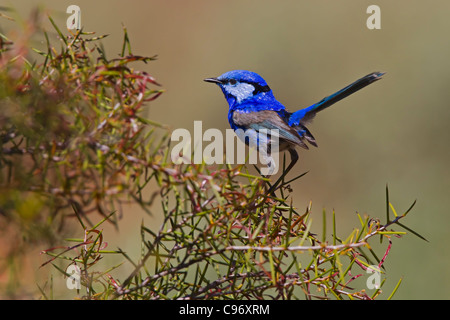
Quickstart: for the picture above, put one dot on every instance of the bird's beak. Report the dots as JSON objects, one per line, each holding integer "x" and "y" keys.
{"x": 213, "y": 80}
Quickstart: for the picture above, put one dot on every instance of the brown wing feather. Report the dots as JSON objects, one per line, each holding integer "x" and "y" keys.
{"x": 269, "y": 120}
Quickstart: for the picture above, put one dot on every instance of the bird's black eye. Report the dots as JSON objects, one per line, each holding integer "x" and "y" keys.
{"x": 232, "y": 82}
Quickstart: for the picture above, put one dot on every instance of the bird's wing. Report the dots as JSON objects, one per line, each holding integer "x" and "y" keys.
{"x": 269, "y": 120}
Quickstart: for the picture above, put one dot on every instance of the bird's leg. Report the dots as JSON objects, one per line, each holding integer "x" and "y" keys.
{"x": 294, "y": 159}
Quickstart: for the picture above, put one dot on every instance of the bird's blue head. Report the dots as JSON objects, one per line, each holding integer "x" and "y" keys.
{"x": 241, "y": 86}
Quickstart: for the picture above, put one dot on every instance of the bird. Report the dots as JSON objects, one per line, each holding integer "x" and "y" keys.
{"x": 253, "y": 106}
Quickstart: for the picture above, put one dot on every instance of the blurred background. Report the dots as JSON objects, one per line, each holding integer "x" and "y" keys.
{"x": 393, "y": 132}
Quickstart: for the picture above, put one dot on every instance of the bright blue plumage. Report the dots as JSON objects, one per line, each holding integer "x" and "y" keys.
{"x": 252, "y": 106}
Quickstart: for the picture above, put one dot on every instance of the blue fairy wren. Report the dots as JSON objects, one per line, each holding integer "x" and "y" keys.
{"x": 252, "y": 106}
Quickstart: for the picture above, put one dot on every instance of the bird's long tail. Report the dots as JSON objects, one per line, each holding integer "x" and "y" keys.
{"x": 307, "y": 114}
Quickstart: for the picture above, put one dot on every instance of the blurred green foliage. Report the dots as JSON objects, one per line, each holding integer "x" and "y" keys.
{"x": 72, "y": 139}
